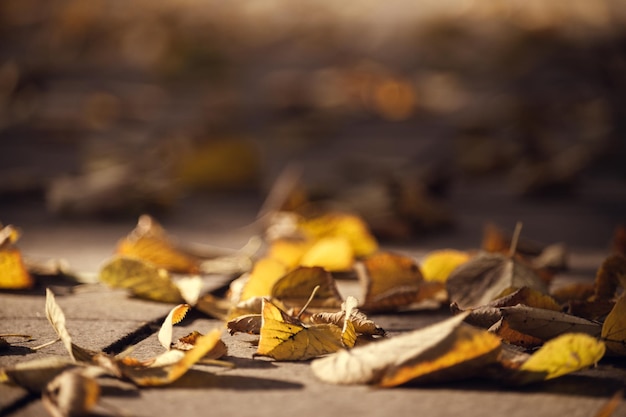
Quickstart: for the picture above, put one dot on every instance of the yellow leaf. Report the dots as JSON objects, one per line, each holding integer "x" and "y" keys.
{"x": 289, "y": 251}
{"x": 438, "y": 265}
{"x": 614, "y": 328}
{"x": 567, "y": 353}
{"x": 332, "y": 253}
{"x": 264, "y": 274}
{"x": 351, "y": 227}
{"x": 149, "y": 242}
{"x": 391, "y": 281}
{"x": 143, "y": 279}
{"x": 13, "y": 273}
{"x": 285, "y": 338}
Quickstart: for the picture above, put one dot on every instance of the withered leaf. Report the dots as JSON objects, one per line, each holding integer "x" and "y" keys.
{"x": 295, "y": 287}
{"x": 247, "y": 323}
{"x": 71, "y": 394}
{"x": 56, "y": 317}
{"x": 176, "y": 315}
{"x": 283, "y": 337}
{"x": 167, "y": 371}
{"x": 149, "y": 242}
{"x": 547, "y": 324}
{"x": 610, "y": 276}
{"x": 359, "y": 320}
{"x": 391, "y": 281}
{"x": 144, "y": 280}
{"x": 614, "y": 328}
{"x": 443, "y": 351}
{"x": 35, "y": 374}
{"x": 488, "y": 276}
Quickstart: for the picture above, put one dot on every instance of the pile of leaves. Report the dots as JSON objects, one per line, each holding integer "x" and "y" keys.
{"x": 507, "y": 323}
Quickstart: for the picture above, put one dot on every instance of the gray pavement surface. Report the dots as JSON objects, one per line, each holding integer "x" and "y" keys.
{"x": 105, "y": 319}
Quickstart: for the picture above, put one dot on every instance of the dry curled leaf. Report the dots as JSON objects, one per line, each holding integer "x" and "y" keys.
{"x": 610, "y": 276}
{"x": 361, "y": 323}
{"x": 176, "y": 315}
{"x": 294, "y": 288}
{"x": 56, "y": 317}
{"x": 443, "y": 351}
{"x": 35, "y": 374}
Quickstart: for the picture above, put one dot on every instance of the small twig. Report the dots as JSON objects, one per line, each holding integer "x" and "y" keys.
{"x": 317, "y": 287}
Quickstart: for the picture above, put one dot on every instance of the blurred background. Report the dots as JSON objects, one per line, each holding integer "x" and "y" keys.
{"x": 420, "y": 115}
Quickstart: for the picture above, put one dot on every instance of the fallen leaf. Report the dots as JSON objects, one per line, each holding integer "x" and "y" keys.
{"x": 176, "y": 315}
{"x": 610, "y": 276}
{"x": 614, "y": 328}
{"x": 359, "y": 320}
{"x": 13, "y": 272}
{"x": 157, "y": 375}
{"x": 189, "y": 341}
{"x": 35, "y": 374}
{"x": 144, "y": 280}
{"x": 443, "y": 351}
{"x": 547, "y": 324}
{"x": 438, "y": 265}
{"x": 337, "y": 224}
{"x": 71, "y": 394}
{"x": 488, "y": 276}
{"x": 562, "y": 355}
{"x": 264, "y": 274}
{"x": 247, "y": 323}
{"x": 149, "y": 242}
{"x": 295, "y": 287}
{"x": 391, "y": 281}
{"x": 333, "y": 253}
{"x": 56, "y": 317}
{"x": 285, "y": 338}
{"x": 289, "y": 251}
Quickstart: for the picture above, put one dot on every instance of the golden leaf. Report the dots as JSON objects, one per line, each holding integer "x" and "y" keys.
{"x": 391, "y": 281}
{"x": 289, "y": 251}
{"x": 285, "y": 338}
{"x": 438, "y": 265}
{"x": 144, "y": 280}
{"x": 333, "y": 253}
{"x": 348, "y": 226}
{"x": 13, "y": 272}
{"x": 149, "y": 242}
{"x": 264, "y": 274}
{"x": 614, "y": 328}
{"x": 567, "y": 353}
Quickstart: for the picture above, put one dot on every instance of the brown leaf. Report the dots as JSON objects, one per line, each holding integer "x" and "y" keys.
{"x": 610, "y": 276}
{"x": 391, "y": 281}
{"x": 486, "y": 277}
{"x": 295, "y": 287}
{"x": 71, "y": 394}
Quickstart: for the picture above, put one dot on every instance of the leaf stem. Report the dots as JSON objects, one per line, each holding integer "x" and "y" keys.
{"x": 515, "y": 239}
{"x": 317, "y": 287}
